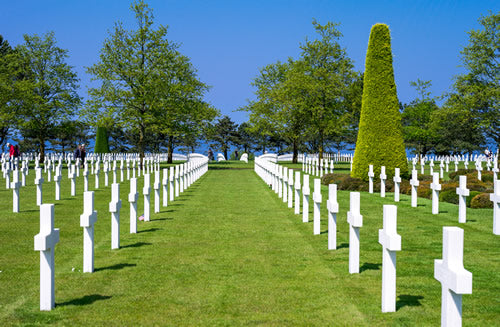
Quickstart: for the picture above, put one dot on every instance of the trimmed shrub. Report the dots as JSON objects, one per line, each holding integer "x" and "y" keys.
{"x": 380, "y": 138}
{"x": 481, "y": 200}
{"x": 449, "y": 196}
{"x": 454, "y": 175}
{"x": 472, "y": 195}
{"x": 424, "y": 190}
{"x": 101, "y": 140}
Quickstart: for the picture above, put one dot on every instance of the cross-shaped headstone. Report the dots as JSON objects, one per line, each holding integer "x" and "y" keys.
{"x": 72, "y": 176}
{"x": 456, "y": 165}
{"x": 355, "y": 220}
{"x": 114, "y": 171}
{"x": 172, "y": 188}
{"x": 128, "y": 169}
{"x": 462, "y": 192}
{"x": 441, "y": 166}
{"x": 290, "y": 188}
{"x": 181, "y": 178}
{"x": 371, "y": 175}
{"x": 435, "y": 187}
{"x": 146, "y": 192}
{"x": 97, "y": 171}
{"x": 177, "y": 174}
{"x": 156, "y": 187}
{"x": 383, "y": 177}
{"x": 164, "y": 183}
{"x": 479, "y": 168}
{"x": 285, "y": 184}
{"x": 297, "y": 192}
{"x": 38, "y": 183}
{"x": 495, "y": 198}
{"x": 132, "y": 199}
{"x": 49, "y": 174}
{"x": 333, "y": 208}
{"x": 391, "y": 242}
{"x": 305, "y": 199}
{"x": 454, "y": 279}
{"x": 414, "y": 184}
{"x": 114, "y": 207}
{"x": 7, "y": 177}
{"x": 15, "y": 185}
{"x": 317, "y": 198}
{"x": 24, "y": 172}
{"x": 87, "y": 221}
{"x": 422, "y": 166}
{"x": 431, "y": 165}
{"x": 45, "y": 242}
{"x": 106, "y": 172}
{"x": 495, "y": 169}
{"x": 397, "y": 180}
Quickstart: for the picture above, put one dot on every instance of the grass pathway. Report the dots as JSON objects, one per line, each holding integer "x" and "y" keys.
{"x": 229, "y": 252}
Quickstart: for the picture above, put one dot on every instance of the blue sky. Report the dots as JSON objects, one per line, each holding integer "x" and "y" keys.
{"x": 228, "y": 41}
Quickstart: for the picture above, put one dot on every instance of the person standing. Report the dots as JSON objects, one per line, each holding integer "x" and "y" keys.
{"x": 82, "y": 155}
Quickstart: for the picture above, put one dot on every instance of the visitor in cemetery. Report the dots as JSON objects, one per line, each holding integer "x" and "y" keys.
{"x": 82, "y": 155}
{"x": 210, "y": 154}
{"x": 17, "y": 153}
{"x": 78, "y": 151}
{"x": 11, "y": 150}
{"x": 236, "y": 155}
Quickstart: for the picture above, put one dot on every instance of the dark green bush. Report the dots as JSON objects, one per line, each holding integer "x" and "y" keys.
{"x": 468, "y": 199}
{"x": 380, "y": 137}
{"x": 455, "y": 175}
{"x": 449, "y": 196}
{"x": 481, "y": 200}
{"x": 101, "y": 141}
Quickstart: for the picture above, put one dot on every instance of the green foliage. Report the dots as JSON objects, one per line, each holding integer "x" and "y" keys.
{"x": 224, "y": 134}
{"x": 101, "y": 141}
{"x": 380, "y": 138}
{"x": 8, "y": 70}
{"x": 449, "y": 196}
{"x": 481, "y": 200}
{"x": 47, "y": 90}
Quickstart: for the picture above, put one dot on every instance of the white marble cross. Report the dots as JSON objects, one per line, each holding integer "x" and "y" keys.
{"x": 297, "y": 192}
{"x": 333, "y": 208}
{"x": 106, "y": 173}
{"x": 85, "y": 178}
{"x": 280, "y": 181}
{"x": 177, "y": 171}
{"x": 132, "y": 199}
{"x": 441, "y": 166}
{"x": 456, "y": 165}
{"x": 156, "y": 187}
{"x": 371, "y": 175}
{"x": 128, "y": 169}
{"x": 495, "y": 198}
{"x": 454, "y": 279}
{"x": 172, "y": 188}
{"x": 72, "y": 176}
{"x": 38, "y": 183}
{"x": 114, "y": 171}
{"x": 414, "y": 184}
{"x": 422, "y": 166}
{"x": 317, "y": 198}
{"x": 431, "y": 166}
{"x": 391, "y": 242}
{"x": 435, "y": 187}
{"x": 397, "y": 180}
{"x": 164, "y": 183}
{"x": 45, "y": 242}
{"x": 24, "y": 172}
{"x": 495, "y": 169}
{"x": 57, "y": 180}
{"x": 305, "y": 199}
{"x": 114, "y": 207}
{"x": 462, "y": 192}
{"x": 290, "y": 188}
{"x": 479, "y": 168}
{"x": 285, "y": 184}
{"x": 87, "y": 221}
{"x": 146, "y": 192}
{"x": 383, "y": 177}
{"x": 181, "y": 178}
{"x": 49, "y": 174}
{"x": 97, "y": 171}
{"x": 355, "y": 220}
{"x": 15, "y": 185}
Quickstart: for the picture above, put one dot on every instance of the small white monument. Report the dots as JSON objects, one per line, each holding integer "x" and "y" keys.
{"x": 397, "y": 180}
{"x": 371, "y": 175}
{"x": 495, "y": 198}
{"x": 383, "y": 178}
{"x": 87, "y": 221}
{"x": 435, "y": 187}
{"x": 290, "y": 188}
{"x": 391, "y": 242}
{"x": 333, "y": 208}
{"x": 164, "y": 183}
{"x": 355, "y": 220}
{"x": 146, "y": 192}
{"x": 132, "y": 199}
{"x": 15, "y": 185}
{"x": 462, "y": 192}
{"x": 285, "y": 184}
{"x": 305, "y": 199}
{"x": 156, "y": 187}
{"x": 297, "y": 192}
{"x": 72, "y": 176}
{"x": 317, "y": 198}
{"x": 114, "y": 207}
{"x": 454, "y": 279}
{"x": 45, "y": 242}
{"x": 172, "y": 187}
{"x": 39, "y": 183}
{"x": 414, "y": 184}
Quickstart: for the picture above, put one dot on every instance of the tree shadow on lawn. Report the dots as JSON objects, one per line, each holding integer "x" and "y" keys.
{"x": 135, "y": 245}
{"x": 160, "y": 219}
{"x": 369, "y": 266}
{"x": 154, "y": 229}
{"x": 408, "y": 300}
{"x": 85, "y": 300}
{"x": 118, "y": 266}
{"x": 343, "y": 245}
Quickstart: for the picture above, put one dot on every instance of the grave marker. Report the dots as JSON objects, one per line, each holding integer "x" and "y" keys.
{"x": 435, "y": 187}
{"x": 371, "y": 174}
{"x": 39, "y": 183}
{"x": 15, "y": 185}
{"x": 383, "y": 177}
{"x": 132, "y": 199}
{"x": 305, "y": 199}
{"x": 391, "y": 242}
{"x": 285, "y": 184}
{"x": 171, "y": 184}
{"x": 495, "y": 198}
{"x": 146, "y": 191}
{"x": 114, "y": 207}
{"x": 333, "y": 208}
{"x": 165, "y": 186}
{"x": 454, "y": 279}
{"x": 317, "y": 198}
{"x": 45, "y": 242}
{"x": 397, "y": 180}
{"x": 156, "y": 187}
{"x": 290, "y": 188}
{"x": 87, "y": 221}
{"x": 297, "y": 192}
{"x": 355, "y": 220}
{"x": 462, "y": 192}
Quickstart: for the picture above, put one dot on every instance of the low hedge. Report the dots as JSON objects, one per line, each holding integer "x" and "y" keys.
{"x": 481, "y": 200}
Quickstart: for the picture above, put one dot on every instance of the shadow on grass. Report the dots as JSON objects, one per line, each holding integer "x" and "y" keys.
{"x": 85, "y": 300}
{"x": 343, "y": 245}
{"x": 324, "y": 232}
{"x": 405, "y": 300}
{"x": 159, "y": 219}
{"x": 154, "y": 229}
{"x": 136, "y": 245}
{"x": 369, "y": 266}
{"x": 116, "y": 267}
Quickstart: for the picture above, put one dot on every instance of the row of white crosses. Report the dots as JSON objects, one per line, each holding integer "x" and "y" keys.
{"x": 46, "y": 240}
{"x": 449, "y": 271}
{"x": 314, "y": 166}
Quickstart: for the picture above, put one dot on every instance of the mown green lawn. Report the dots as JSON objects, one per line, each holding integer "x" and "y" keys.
{"x": 229, "y": 252}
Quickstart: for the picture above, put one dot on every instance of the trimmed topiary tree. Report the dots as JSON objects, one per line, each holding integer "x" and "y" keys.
{"x": 380, "y": 137}
{"x": 101, "y": 140}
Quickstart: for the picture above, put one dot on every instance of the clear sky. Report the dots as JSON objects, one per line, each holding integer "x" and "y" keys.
{"x": 228, "y": 41}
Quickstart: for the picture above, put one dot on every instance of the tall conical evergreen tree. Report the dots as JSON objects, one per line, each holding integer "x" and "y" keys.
{"x": 101, "y": 140}
{"x": 380, "y": 138}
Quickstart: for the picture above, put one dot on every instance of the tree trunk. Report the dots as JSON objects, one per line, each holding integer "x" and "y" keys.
{"x": 225, "y": 153}
{"x": 295, "y": 151}
{"x": 170, "y": 149}
{"x": 141, "y": 144}
{"x": 42, "y": 150}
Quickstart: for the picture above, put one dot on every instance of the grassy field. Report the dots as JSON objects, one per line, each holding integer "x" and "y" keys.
{"x": 229, "y": 252}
